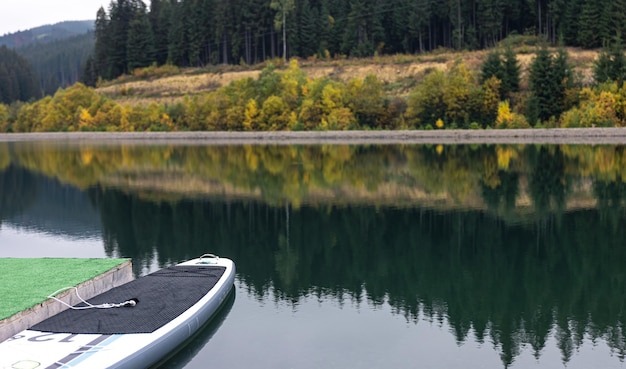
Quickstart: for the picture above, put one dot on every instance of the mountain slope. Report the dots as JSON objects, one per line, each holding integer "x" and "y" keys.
{"x": 46, "y": 33}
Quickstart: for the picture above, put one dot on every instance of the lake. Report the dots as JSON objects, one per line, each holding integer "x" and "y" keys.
{"x": 352, "y": 256}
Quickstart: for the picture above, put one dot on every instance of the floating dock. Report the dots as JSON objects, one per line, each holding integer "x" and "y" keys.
{"x": 25, "y": 285}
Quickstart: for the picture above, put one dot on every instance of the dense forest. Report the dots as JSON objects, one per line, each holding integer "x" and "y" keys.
{"x": 200, "y": 32}
{"x": 18, "y": 80}
{"x": 56, "y": 52}
{"x": 59, "y": 63}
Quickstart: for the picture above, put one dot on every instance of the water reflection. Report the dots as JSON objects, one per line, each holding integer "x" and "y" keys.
{"x": 512, "y": 245}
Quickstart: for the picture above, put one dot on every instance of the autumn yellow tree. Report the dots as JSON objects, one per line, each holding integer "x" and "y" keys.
{"x": 4, "y": 118}
{"x": 366, "y": 100}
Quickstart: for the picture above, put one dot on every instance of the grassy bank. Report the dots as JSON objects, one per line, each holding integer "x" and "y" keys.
{"x": 25, "y": 283}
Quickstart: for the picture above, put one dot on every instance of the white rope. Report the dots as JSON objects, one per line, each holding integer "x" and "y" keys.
{"x": 131, "y": 302}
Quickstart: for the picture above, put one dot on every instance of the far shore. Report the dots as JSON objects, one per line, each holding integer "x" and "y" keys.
{"x": 591, "y": 136}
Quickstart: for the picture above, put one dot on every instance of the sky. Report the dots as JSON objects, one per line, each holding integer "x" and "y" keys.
{"x": 20, "y": 15}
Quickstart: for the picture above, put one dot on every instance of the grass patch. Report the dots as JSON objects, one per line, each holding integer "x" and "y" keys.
{"x": 25, "y": 283}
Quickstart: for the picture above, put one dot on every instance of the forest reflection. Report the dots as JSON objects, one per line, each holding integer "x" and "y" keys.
{"x": 514, "y": 285}
{"x": 510, "y": 244}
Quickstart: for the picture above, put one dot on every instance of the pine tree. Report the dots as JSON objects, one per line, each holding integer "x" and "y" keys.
{"x": 325, "y": 29}
{"x": 571, "y": 24}
{"x": 102, "y": 46}
{"x": 549, "y": 79}
{"x": 140, "y": 42}
{"x": 177, "y": 41}
{"x": 611, "y": 64}
{"x": 563, "y": 76}
{"x": 89, "y": 75}
{"x": 612, "y": 20}
{"x": 492, "y": 67}
{"x": 309, "y": 37}
{"x": 511, "y": 78}
{"x": 193, "y": 14}
{"x": 543, "y": 86}
{"x": 160, "y": 23}
{"x": 589, "y": 24}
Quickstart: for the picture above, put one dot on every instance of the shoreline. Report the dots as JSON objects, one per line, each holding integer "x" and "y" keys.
{"x": 583, "y": 136}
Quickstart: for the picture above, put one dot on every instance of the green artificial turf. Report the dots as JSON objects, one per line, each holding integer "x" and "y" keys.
{"x": 25, "y": 283}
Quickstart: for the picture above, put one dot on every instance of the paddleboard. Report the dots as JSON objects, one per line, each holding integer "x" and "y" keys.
{"x": 133, "y": 326}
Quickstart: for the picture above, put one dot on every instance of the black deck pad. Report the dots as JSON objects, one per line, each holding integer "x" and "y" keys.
{"x": 162, "y": 295}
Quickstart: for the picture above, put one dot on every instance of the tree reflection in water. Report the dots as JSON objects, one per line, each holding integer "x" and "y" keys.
{"x": 511, "y": 244}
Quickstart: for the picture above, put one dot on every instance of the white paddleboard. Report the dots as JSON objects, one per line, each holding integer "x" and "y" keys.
{"x": 97, "y": 338}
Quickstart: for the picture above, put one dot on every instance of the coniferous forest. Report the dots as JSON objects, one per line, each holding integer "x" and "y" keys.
{"x": 130, "y": 34}
{"x": 18, "y": 80}
{"x": 141, "y": 41}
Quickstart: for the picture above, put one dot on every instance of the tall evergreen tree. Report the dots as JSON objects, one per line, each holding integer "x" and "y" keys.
{"x": 612, "y": 20}
{"x": 544, "y": 88}
{"x": 589, "y": 24}
{"x": 89, "y": 73}
{"x": 177, "y": 37}
{"x": 160, "y": 23}
{"x": 103, "y": 44}
{"x": 512, "y": 71}
{"x": 140, "y": 42}
{"x": 611, "y": 64}
{"x": 325, "y": 28}
{"x": 492, "y": 67}
{"x": 309, "y": 37}
{"x": 549, "y": 78}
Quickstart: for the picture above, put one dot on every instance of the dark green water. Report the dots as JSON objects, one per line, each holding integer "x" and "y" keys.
{"x": 353, "y": 256}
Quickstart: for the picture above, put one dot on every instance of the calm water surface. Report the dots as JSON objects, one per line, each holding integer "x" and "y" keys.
{"x": 352, "y": 256}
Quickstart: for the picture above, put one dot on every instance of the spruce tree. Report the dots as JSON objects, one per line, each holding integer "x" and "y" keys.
{"x": 511, "y": 78}
{"x": 492, "y": 67}
{"x": 589, "y": 24}
{"x": 563, "y": 76}
{"x": 325, "y": 25}
{"x": 103, "y": 45}
{"x": 177, "y": 41}
{"x": 309, "y": 38}
{"x": 550, "y": 77}
{"x": 139, "y": 44}
{"x": 544, "y": 89}
{"x": 611, "y": 64}
{"x": 602, "y": 67}
{"x": 160, "y": 23}
{"x": 89, "y": 75}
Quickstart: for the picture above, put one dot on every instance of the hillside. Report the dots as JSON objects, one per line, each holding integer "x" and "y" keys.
{"x": 399, "y": 73}
{"x": 46, "y": 33}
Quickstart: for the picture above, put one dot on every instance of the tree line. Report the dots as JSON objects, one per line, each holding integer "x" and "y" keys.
{"x": 201, "y": 32}
{"x": 287, "y": 99}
